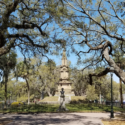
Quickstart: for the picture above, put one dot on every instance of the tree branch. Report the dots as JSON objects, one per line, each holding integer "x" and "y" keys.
{"x": 10, "y": 8}
{"x": 104, "y": 72}
{"x": 29, "y": 39}
{"x": 7, "y": 48}
{"x": 115, "y": 11}
{"x": 3, "y": 3}
{"x": 100, "y": 13}
{"x": 28, "y": 7}
{"x": 35, "y": 25}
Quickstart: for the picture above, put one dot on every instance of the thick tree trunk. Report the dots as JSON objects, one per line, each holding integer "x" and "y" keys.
{"x": 28, "y": 89}
{"x": 120, "y": 73}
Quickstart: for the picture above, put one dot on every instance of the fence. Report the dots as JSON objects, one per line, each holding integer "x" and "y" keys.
{"x": 117, "y": 104}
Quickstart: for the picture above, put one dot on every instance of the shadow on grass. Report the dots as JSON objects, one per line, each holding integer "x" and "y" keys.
{"x": 44, "y": 108}
{"x": 121, "y": 115}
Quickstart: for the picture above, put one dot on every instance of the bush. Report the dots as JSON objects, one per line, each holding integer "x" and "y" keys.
{"x": 24, "y": 98}
{"x": 1, "y": 102}
{"x": 16, "y": 104}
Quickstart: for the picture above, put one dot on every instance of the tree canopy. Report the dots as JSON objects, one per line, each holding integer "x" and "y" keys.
{"x": 92, "y": 28}
{"x": 96, "y": 27}
{"x": 24, "y": 25}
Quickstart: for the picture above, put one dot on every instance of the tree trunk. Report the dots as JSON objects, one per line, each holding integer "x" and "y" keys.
{"x": 6, "y": 80}
{"x": 28, "y": 96}
{"x": 28, "y": 89}
{"x": 100, "y": 98}
{"x": 106, "y": 52}
{"x": 6, "y": 91}
{"x": 42, "y": 95}
{"x": 49, "y": 93}
{"x": 120, "y": 89}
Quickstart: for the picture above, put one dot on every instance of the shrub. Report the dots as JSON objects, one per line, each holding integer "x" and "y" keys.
{"x": 1, "y": 102}
{"x": 16, "y": 104}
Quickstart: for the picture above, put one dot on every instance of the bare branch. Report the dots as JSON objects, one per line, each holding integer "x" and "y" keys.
{"x": 100, "y": 13}
{"x": 115, "y": 12}
{"x": 83, "y": 52}
{"x": 28, "y": 7}
{"x": 30, "y": 40}
{"x": 73, "y": 6}
{"x": 35, "y": 25}
{"x": 104, "y": 72}
{"x": 45, "y": 21}
{"x": 3, "y": 3}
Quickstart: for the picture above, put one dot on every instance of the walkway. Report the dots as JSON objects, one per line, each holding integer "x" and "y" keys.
{"x": 56, "y": 118}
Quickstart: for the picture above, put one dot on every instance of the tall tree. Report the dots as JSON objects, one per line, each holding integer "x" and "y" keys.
{"x": 25, "y": 70}
{"x": 49, "y": 76}
{"x": 120, "y": 60}
{"x": 26, "y": 25}
{"x": 79, "y": 80}
{"x": 95, "y": 26}
{"x": 7, "y": 63}
{"x": 91, "y": 94}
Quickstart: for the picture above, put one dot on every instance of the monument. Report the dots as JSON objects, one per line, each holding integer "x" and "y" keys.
{"x": 64, "y": 93}
{"x": 64, "y": 81}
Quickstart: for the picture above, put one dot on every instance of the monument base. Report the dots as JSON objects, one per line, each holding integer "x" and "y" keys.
{"x": 62, "y": 106}
{"x": 68, "y": 92}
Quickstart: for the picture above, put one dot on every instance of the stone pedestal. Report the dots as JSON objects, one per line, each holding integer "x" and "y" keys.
{"x": 62, "y": 106}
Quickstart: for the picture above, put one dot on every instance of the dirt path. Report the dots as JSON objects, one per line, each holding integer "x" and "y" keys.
{"x": 56, "y": 118}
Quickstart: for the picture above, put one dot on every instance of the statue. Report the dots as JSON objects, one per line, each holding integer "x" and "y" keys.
{"x": 62, "y": 101}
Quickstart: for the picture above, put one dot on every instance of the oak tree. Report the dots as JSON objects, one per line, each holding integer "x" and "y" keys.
{"x": 95, "y": 26}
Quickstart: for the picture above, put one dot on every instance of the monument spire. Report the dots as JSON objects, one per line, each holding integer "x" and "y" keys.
{"x": 64, "y": 58}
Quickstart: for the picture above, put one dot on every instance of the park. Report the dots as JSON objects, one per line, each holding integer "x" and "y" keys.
{"x": 62, "y": 62}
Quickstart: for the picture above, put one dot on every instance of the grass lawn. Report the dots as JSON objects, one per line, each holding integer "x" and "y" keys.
{"x": 46, "y": 108}
{"x": 77, "y": 98}
{"x": 50, "y": 99}
{"x": 92, "y": 108}
{"x": 55, "y": 98}
{"x": 32, "y": 108}
{"x": 5, "y": 122}
{"x": 121, "y": 116}
{"x": 114, "y": 122}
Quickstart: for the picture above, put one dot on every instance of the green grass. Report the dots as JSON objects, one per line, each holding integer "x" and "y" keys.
{"x": 50, "y": 99}
{"x": 47, "y": 108}
{"x": 91, "y": 108}
{"x": 31, "y": 109}
{"x": 77, "y": 98}
{"x": 55, "y": 98}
